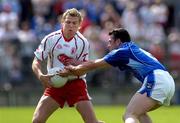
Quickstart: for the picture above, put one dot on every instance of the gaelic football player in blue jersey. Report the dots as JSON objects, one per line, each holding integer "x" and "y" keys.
{"x": 157, "y": 84}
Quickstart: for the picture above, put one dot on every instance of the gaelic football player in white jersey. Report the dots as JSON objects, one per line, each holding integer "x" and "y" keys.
{"x": 66, "y": 46}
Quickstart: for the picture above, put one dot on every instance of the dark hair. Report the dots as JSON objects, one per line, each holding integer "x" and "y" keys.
{"x": 120, "y": 33}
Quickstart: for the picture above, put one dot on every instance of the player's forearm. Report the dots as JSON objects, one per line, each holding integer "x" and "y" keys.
{"x": 83, "y": 68}
{"x": 90, "y": 65}
{"x": 77, "y": 62}
{"x": 36, "y": 67}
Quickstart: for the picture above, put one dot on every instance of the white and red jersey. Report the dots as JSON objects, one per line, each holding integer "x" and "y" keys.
{"x": 57, "y": 48}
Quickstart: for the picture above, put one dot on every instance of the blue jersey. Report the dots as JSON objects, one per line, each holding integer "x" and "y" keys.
{"x": 130, "y": 57}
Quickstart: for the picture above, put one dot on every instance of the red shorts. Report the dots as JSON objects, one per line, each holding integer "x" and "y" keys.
{"x": 72, "y": 92}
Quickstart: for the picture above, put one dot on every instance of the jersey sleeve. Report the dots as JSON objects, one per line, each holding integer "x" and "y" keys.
{"x": 43, "y": 49}
{"x": 117, "y": 57}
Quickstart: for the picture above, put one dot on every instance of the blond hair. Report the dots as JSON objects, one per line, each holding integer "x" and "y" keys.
{"x": 72, "y": 12}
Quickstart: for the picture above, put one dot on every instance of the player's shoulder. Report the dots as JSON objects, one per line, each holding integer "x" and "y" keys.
{"x": 54, "y": 34}
{"x": 123, "y": 49}
{"x": 81, "y": 37}
{"x": 128, "y": 46}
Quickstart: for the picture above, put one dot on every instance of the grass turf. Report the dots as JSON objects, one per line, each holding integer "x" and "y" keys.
{"x": 109, "y": 114}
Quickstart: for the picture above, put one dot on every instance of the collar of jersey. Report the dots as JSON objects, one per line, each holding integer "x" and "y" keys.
{"x": 65, "y": 39}
{"x": 125, "y": 44}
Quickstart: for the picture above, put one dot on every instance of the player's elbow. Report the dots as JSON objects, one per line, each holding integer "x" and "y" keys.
{"x": 35, "y": 64}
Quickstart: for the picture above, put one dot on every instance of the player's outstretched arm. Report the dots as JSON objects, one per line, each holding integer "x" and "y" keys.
{"x": 84, "y": 67}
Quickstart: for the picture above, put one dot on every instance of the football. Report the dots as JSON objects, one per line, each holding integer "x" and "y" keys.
{"x": 56, "y": 80}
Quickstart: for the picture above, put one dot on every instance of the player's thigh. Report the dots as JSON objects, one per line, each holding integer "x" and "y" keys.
{"x": 85, "y": 108}
{"x": 46, "y": 106}
{"x": 140, "y": 104}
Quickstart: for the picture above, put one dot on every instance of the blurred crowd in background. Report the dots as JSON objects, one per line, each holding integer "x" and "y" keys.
{"x": 153, "y": 24}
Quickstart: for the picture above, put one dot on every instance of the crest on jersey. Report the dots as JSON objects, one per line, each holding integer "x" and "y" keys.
{"x": 73, "y": 50}
{"x": 64, "y": 59}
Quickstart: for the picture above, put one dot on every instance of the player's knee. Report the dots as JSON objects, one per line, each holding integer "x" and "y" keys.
{"x": 130, "y": 117}
{"x": 130, "y": 114}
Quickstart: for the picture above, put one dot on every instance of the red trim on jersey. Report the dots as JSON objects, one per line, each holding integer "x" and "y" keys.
{"x": 53, "y": 50}
{"x": 44, "y": 48}
{"x": 76, "y": 43}
{"x": 83, "y": 46}
{"x": 65, "y": 39}
{"x": 38, "y": 61}
{"x": 42, "y": 56}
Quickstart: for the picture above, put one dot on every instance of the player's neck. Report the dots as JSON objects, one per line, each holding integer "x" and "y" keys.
{"x": 66, "y": 36}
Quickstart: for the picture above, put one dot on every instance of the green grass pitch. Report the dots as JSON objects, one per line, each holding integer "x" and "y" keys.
{"x": 109, "y": 114}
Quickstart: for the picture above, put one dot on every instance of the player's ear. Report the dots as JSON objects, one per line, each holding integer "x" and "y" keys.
{"x": 118, "y": 41}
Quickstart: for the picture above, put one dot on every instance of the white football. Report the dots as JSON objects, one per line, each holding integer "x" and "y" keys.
{"x": 57, "y": 81}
